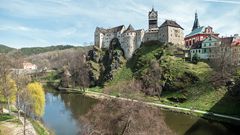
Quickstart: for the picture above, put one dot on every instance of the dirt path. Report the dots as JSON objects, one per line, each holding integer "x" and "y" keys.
{"x": 16, "y": 128}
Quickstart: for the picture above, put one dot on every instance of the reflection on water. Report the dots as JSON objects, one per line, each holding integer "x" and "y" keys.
{"x": 63, "y": 111}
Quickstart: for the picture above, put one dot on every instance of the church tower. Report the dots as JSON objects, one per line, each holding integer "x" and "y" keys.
{"x": 196, "y": 22}
{"x": 153, "y": 19}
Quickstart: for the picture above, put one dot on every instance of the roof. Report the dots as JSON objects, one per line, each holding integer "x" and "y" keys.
{"x": 111, "y": 30}
{"x": 152, "y": 11}
{"x": 129, "y": 29}
{"x": 226, "y": 40}
{"x": 197, "y": 45}
{"x": 196, "y": 22}
{"x": 212, "y": 36}
{"x": 196, "y": 31}
{"x": 171, "y": 23}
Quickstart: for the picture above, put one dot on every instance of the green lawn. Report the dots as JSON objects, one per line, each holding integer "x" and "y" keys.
{"x": 4, "y": 117}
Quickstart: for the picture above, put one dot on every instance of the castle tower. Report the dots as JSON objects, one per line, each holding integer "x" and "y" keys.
{"x": 153, "y": 19}
{"x": 196, "y": 22}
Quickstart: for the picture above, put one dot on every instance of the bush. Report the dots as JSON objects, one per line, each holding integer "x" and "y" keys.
{"x": 195, "y": 58}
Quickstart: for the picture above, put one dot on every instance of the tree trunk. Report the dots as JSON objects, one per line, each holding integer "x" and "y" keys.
{"x": 8, "y": 104}
{"x": 18, "y": 106}
{"x": 24, "y": 121}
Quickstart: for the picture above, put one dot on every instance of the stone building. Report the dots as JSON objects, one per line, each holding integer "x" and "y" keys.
{"x": 171, "y": 32}
{"x": 131, "y": 39}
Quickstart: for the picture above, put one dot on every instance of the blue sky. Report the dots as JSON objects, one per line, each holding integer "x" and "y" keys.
{"x": 28, "y": 23}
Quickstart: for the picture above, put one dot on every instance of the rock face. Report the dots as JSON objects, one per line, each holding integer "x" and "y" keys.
{"x": 104, "y": 62}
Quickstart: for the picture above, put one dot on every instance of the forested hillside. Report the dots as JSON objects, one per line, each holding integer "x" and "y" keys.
{"x": 5, "y": 49}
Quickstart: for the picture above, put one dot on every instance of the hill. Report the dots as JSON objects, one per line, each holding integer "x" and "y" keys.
{"x": 164, "y": 78}
{"x": 37, "y": 50}
{"x": 28, "y": 51}
{"x": 5, "y": 49}
{"x": 58, "y": 58}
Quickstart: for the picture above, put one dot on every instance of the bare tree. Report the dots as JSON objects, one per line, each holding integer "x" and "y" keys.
{"x": 124, "y": 118}
{"x": 152, "y": 80}
{"x": 79, "y": 70}
{"x": 21, "y": 83}
{"x": 6, "y": 83}
{"x": 221, "y": 58}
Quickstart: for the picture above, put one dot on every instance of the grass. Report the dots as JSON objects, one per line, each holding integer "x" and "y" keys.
{"x": 4, "y": 117}
{"x": 123, "y": 74}
{"x": 95, "y": 89}
{"x": 39, "y": 128}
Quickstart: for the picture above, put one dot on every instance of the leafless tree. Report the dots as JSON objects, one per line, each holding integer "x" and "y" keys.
{"x": 222, "y": 61}
{"x": 79, "y": 70}
{"x": 21, "y": 83}
{"x": 152, "y": 80}
{"x": 5, "y": 86}
{"x": 117, "y": 117}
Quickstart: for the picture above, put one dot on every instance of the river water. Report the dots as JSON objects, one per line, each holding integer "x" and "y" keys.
{"x": 62, "y": 113}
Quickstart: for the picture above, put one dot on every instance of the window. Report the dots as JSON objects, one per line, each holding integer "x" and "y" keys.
{"x": 204, "y": 50}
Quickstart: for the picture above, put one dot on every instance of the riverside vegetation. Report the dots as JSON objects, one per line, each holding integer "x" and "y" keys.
{"x": 156, "y": 74}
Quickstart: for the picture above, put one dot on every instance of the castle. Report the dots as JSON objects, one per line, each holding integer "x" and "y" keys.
{"x": 131, "y": 39}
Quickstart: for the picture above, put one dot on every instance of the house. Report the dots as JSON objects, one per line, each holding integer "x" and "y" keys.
{"x": 198, "y": 33}
{"x": 205, "y": 49}
{"x": 230, "y": 47}
{"x": 29, "y": 66}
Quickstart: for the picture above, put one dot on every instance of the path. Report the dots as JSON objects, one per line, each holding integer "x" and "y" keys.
{"x": 15, "y": 128}
{"x": 103, "y": 96}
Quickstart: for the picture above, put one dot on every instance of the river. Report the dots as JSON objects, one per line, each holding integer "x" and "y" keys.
{"x": 62, "y": 113}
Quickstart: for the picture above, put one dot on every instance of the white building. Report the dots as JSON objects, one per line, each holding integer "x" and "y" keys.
{"x": 29, "y": 66}
{"x": 207, "y": 48}
{"x": 131, "y": 39}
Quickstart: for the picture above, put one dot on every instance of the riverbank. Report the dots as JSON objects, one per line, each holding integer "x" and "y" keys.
{"x": 11, "y": 125}
{"x": 190, "y": 111}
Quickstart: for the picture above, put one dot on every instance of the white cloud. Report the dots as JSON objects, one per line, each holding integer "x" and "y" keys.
{"x": 74, "y": 21}
{"x": 224, "y": 1}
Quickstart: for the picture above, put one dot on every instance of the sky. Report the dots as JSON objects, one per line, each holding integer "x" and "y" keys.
{"x": 31, "y": 23}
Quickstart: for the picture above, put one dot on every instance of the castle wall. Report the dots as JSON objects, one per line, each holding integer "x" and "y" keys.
{"x": 149, "y": 36}
{"x": 163, "y": 34}
{"x": 139, "y": 38}
{"x": 175, "y": 36}
{"x": 129, "y": 43}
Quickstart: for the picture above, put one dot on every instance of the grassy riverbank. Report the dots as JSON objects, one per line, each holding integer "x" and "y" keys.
{"x": 171, "y": 107}
{"x": 40, "y": 128}
{"x": 10, "y": 124}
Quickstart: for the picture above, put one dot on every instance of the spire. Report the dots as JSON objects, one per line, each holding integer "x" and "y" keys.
{"x": 196, "y": 22}
{"x": 152, "y": 8}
